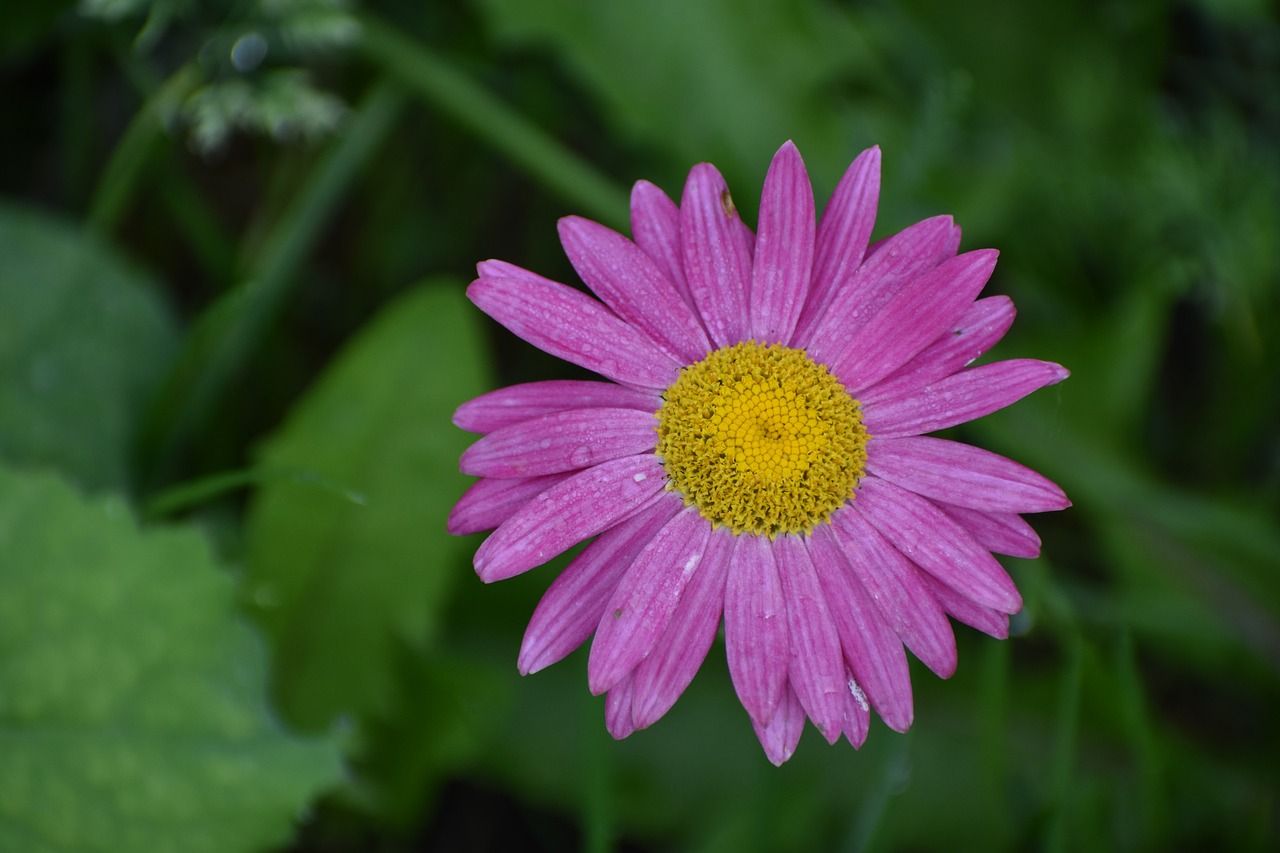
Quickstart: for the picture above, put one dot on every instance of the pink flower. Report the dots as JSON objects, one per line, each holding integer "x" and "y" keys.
{"x": 757, "y": 453}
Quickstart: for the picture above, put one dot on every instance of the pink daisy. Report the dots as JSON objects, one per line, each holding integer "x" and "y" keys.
{"x": 757, "y": 454}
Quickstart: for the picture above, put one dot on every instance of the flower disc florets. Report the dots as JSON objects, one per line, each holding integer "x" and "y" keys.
{"x": 761, "y": 439}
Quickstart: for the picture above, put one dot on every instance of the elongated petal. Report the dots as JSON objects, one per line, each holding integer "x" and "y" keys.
{"x": 937, "y": 544}
{"x": 570, "y": 609}
{"x": 629, "y": 282}
{"x": 872, "y": 649}
{"x": 573, "y": 510}
{"x": 488, "y": 503}
{"x": 962, "y": 474}
{"x": 781, "y": 734}
{"x": 912, "y": 319}
{"x": 1001, "y": 532}
{"x": 660, "y": 678}
{"x": 617, "y": 709}
{"x": 817, "y": 670}
{"x": 901, "y": 259}
{"x": 977, "y": 331}
{"x": 755, "y": 628}
{"x": 641, "y": 607}
{"x": 561, "y": 441}
{"x": 573, "y": 326}
{"x": 717, "y": 255}
{"x": 842, "y": 235}
{"x": 516, "y": 403}
{"x": 655, "y": 226}
{"x": 986, "y": 620}
{"x": 784, "y": 249}
{"x": 895, "y": 584}
{"x": 960, "y": 398}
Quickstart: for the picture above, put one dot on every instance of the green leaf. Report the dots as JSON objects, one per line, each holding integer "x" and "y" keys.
{"x": 339, "y": 586}
{"x": 83, "y": 339}
{"x": 132, "y": 712}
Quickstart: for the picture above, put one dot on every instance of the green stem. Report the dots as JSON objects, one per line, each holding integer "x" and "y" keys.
{"x": 188, "y": 495}
{"x": 475, "y": 108}
{"x": 228, "y": 333}
{"x": 139, "y": 143}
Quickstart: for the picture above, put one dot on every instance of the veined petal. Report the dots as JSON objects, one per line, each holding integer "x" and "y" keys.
{"x": 817, "y": 670}
{"x": 516, "y": 403}
{"x": 717, "y": 255}
{"x": 960, "y": 398}
{"x": 981, "y": 327}
{"x": 617, "y": 709}
{"x": 962, "y": 474}
{"x": 986, "y": 620}
{"x": 842, "y": 235}
{"x": 641, "y": 607}
{"x": 575, "y": 509}
{"x": 655, "y": 226}
{"x": 628, "y": 281}
{"x": 570, "y": 325}
{"x": 895, "y": 584}
{"x": 781, "y": 734}
{"x": 912, "y": 319}
{"x": 755, "y": 628}
{"x": 570, "y": 609}
{"x": 488, "y": 503}
{"x": 937, "y": 544}
{"x": 660, "y": 678}
{"x": 784, "y": 249}
{"x": 561, "y": 441}
{"x": 872, "y": 649}
{"x": 898, "y": 261}
{"x": 1001, "y": 532}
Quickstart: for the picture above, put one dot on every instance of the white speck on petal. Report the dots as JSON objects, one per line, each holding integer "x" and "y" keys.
{"x": 858, "y": 694}
{"x": 691, "y": 563}
{"x": 641, "y": 477}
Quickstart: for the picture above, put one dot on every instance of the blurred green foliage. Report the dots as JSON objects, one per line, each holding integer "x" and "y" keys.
{"x": 232, "y": 247}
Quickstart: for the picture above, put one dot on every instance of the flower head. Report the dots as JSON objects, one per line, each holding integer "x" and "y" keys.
{"x": 757, "y": 454}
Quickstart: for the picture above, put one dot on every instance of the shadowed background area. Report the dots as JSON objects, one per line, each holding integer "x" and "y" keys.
{"x": 234, "y": 239}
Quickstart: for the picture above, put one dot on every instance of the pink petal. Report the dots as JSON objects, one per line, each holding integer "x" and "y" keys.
{"x": 962, "y": 474}
{"x": 871, "y": 648}
{"x": 841, "y": 241}
{"x": 781, "y": 734}
{"x": 896, "y": 585}
{"x": 517, "y": 403}
{"x": 570, "y": 609}
{"x": 1002, "y": 532}
{"x": 642, "y": 605}
{"x": 817, "y": 670}
{"x": 981, "y": 328}
{"x": 784, "y": 249}
{"x": 717, "y": 255}
{"x": 575, "y": 509}
{"x": 655, "y": 226}
{"x": 488, "y": 503}
{"x": 561, "y": 441}
{"x": 900, "y": 260}
{"x": 985, "y": 619}
{"x": 573, "y": 326}
{"x": 960, "y": 398}
{"x": 629, "y": 282}
{"x": 937, "y": 544}
{"x": 755, "y": 628}
{"x": 617, "y": 709}
{"x": 912, "y": 319}
{"x": 676, "y": 657}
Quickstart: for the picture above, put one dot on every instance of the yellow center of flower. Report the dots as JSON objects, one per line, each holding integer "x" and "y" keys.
{"x": 761, "y": 439}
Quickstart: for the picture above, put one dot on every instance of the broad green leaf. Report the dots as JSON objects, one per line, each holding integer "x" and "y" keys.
{"x": 341, "y": 586}
{"x": 132, "y": 698}
{"x": 83, "y": 342}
